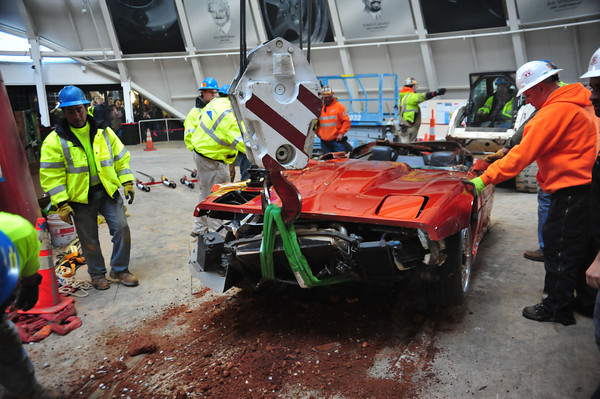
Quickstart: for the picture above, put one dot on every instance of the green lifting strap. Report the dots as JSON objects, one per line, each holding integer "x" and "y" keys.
{"x": 297, "y": 261}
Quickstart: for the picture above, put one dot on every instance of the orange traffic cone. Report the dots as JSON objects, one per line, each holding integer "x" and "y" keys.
{"x": 49, "y": 300}
{"x": 149, "y": 144}
{"x": 432, "y": 127}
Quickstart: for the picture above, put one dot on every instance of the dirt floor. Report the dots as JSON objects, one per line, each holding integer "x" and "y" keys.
{"x": 171, "y": 337}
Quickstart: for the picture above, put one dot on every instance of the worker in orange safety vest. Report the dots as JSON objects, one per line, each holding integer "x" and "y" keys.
{"x": 334, "y": 123}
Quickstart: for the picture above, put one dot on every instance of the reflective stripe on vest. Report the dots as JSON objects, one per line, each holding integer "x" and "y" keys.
{"x": 403, "y": 103}
{"x": 69, "y": 159}
{"x": 211, "y": 131}
{"x": 328, "y": 117}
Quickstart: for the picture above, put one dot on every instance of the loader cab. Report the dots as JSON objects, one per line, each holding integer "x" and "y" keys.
{"x": 493, "y": 103}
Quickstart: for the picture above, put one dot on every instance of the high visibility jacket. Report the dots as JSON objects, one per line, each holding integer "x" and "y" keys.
{"x": 25, "y": 238}
{"x": 218, "y": 135}
{"x": 562, "y": 137}
{"x": 408, "y": 104}
{"x": 189, "y": 126}
{"x": 506, "y": 110}
{"x": 191, "y": 122}
{"x": 333, "y": 122}
{"x": 64, "y": 166}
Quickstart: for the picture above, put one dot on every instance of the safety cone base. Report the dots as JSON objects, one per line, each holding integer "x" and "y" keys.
{"x": 63, "y": 301}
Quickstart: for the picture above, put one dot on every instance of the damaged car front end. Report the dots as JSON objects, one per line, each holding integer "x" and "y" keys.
{"x": 388, "y": 213}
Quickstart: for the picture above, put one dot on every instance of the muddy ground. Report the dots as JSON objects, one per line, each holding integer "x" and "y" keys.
{"x": 172, "y": 338}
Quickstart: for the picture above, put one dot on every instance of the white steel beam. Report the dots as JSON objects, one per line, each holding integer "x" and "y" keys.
{"x": 517, "y": 36}
{"x": 189, "y": 41}
{"x": 34, "y": 50}
{"x": 430, "y": 72}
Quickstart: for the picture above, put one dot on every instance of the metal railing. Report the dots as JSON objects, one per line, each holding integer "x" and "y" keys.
{"x": 152, "y": 124}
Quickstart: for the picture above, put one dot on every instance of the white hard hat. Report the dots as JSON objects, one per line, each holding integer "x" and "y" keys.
{"x": 594, "y": 68}
{"x": 534, "y": 72}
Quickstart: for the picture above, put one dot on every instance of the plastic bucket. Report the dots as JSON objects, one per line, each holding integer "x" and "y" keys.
{"x": 61, "y": 233}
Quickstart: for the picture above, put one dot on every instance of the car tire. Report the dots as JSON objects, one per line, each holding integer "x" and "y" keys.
{"x": 453, "y": 279}
{"x": 526, "y": 181}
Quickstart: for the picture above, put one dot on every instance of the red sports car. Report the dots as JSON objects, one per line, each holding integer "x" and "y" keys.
{"x": 387, "y": 213}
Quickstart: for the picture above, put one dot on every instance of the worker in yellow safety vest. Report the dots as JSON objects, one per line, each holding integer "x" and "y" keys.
{"x": 216, "y": 143}
{"x": 497, "y": 111}
{"x": 19, "y": 282}
{"x": 208, "y": 90}
{"x": 82, "y": 167}
{"x": 409, "y": 112}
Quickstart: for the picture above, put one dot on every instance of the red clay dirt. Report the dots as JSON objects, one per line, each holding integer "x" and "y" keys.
{"x": 285, "y": 344}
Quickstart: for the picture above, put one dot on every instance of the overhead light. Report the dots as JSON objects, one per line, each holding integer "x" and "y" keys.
{"x": 84, "y": 5}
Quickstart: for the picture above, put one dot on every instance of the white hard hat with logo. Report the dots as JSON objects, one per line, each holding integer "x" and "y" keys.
{"x": 594, "y": 68}
{"x": 534, "y": 72}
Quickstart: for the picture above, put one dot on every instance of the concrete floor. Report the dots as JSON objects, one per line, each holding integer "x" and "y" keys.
{"x": 488, "y": 351}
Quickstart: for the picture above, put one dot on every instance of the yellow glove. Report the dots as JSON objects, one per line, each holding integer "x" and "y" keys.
{"x": 495, "y": 156}
{"x": 128, "y": 190}
{"x": 479, "y": 184}
{"x": 65, "y": 212}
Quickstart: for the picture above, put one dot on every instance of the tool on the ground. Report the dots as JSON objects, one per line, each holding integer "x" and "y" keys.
{"x": 69, "y": 263}
{"x": 168, "y": 182}
{"x": 188, "y": 182}
{"x": 153, "y": 181}
{"x": 141, "y": 186}
{"x": 193, "y": 173}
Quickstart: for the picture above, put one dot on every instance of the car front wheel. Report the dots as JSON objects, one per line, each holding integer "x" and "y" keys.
{"x": 453, "y": 278}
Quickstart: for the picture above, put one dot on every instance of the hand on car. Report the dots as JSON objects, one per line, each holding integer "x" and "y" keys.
{"x": 495, "y": 156}
{"x": 479, "y": 184}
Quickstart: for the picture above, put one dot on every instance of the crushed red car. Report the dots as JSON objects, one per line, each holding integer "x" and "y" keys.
{"x": 399, "y": 213}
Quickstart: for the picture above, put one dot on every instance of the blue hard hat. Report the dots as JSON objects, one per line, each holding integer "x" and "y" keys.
{"x": 71, "y": 95}
{"x": 209, "y": 83}
{"x": 502, "y": 80}
{"x": 9, "y": 267}
{"x": 224, "y": 89}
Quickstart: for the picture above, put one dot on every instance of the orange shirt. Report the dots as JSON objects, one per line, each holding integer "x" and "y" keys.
{"x": 562, "y": 138}
{"x": 333, "y": 122}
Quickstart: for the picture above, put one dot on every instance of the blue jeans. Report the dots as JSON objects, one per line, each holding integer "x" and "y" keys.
{"x": 16, "y": 371}
{"x": 86, "y": 222}
{"x": 543, "y": 206}
{"x": 331, "y": 146}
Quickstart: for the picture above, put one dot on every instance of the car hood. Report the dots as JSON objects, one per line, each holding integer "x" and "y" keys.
{"x": 378, "y": 192}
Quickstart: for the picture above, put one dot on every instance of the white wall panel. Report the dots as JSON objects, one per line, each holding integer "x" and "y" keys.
{"x": 407, "y": 61}
{"x": 54, "y": 74}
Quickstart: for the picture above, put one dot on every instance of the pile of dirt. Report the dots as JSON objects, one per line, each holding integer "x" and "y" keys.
{"x": 288, "y": 343}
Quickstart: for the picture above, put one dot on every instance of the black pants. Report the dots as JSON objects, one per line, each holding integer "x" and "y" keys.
{"x": 568, "y": 250}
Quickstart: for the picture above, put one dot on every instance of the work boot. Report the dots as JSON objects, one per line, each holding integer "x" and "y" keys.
{"x": 125, "y": 278}
{"x": 537, "y": 255}
{"x": 100, "y": 283}
{"x": 540, "y": 312}
{"x": 39, "y": 392}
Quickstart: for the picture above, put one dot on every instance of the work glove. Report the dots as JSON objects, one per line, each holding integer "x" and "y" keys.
{"x": 27, "y": 293}
{"x": 495, "y": 156}
{"x": 479, "y": 184}
{"x": 440, "y": 92}
{"x": 128, "y": 190}
{"x": 65, "y": 212}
